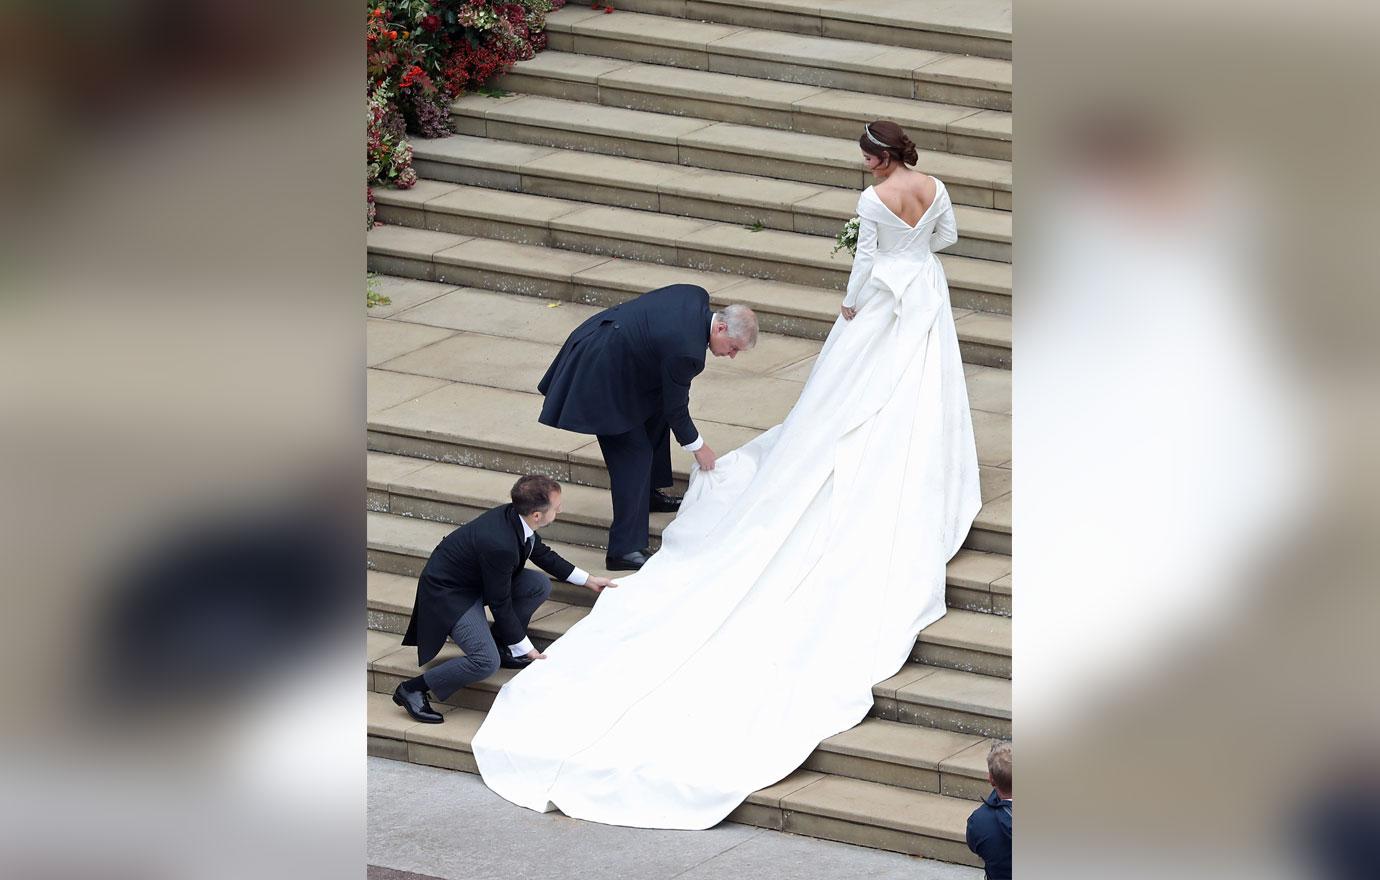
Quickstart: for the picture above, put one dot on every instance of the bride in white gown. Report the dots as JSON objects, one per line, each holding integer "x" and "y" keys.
{"x": 797, "y": 574}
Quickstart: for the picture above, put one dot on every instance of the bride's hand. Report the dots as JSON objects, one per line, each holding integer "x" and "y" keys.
{"x": 848, "y": 314}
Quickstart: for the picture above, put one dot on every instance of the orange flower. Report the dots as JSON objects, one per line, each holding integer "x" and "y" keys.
{"x": 392, "y": 35}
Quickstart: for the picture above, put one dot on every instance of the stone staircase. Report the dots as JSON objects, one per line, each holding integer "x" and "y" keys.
{"x": 711, "y": 143}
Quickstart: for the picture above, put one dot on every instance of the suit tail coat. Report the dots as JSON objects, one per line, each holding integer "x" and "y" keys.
{"x": 630, "y": 363}
{"x": 477, "y": 561}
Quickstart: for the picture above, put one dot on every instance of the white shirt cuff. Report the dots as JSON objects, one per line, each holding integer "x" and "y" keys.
{"x": 695, "y": 446}
{"x": 522, "y": 648}
{"x": 579, "y": 577}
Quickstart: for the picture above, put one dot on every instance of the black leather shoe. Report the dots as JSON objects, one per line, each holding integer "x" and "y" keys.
{"x": 508, "y": 661}
{"x": 417, "y": 705}
{"x": 627, "y": 562}
{"x": 505, "y": 657}
{"x": 663, "y": 503}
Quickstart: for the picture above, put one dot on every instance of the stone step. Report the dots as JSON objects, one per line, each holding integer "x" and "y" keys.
{"x": 496, "y": 429}
{"x": 453, "y": 493}
{"x": 964, "y": 640}
{"x": 722, "y": 146}
{"x": 963, "y": 80}
{"x": 458, "y": 385}
{"x": 765, "y": 103}
{"x": 617, "y": 181}
{"x": 922, "y": 821}
{"x": 468, "y": 212}
{"x": 926, "y": 696}
{"x": 533, "y": 271}
{"x": 975, "y": 581}
{"x": 973, "y": 27}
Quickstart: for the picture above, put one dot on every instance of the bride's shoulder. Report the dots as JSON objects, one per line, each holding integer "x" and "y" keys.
{"x": 869, "y": 202}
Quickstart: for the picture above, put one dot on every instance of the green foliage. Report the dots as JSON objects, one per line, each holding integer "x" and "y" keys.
{"x": 371, "y": 296}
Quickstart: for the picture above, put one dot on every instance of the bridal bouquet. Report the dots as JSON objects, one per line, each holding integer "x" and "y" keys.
{"x": 847, "y": 238}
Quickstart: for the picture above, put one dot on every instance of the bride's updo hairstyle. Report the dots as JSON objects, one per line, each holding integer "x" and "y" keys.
{"x": 886, "y": 139}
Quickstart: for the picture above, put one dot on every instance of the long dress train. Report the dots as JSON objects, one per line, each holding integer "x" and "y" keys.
{"x": 797, "y": 574}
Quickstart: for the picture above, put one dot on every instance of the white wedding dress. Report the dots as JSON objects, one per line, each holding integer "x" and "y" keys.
{"x": 796, "y": 576}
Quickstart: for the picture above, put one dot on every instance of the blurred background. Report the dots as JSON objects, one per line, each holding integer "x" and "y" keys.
{"x": 181, "y": 382}
{"x": 181, "y": 352}
{"x": 1194, "y": 435}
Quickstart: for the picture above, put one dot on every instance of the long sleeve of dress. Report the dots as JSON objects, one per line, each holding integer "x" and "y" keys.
{"x": 862, "y": 260}
{"x": 945, "y": 228}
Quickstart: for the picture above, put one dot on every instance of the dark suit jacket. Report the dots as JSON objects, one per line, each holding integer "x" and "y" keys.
{"x": 479, "y": 560}
{"x": 989, "y": 835}
{"x": 629, "y": 363}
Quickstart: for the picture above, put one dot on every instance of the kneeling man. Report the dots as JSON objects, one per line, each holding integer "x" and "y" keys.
{"x": 484, "y": 563}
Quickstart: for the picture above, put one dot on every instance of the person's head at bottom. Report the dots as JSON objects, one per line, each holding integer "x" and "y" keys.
{"x": 536, "y": 499}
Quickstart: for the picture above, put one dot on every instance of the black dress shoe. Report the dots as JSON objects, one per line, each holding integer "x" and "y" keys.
{"x": 417, "y": 705}
{"x": 663, "y": 503}
{"x": 627, "y": 562}
{"x": 508, "y": 661}
{"x": 505, "y": 657}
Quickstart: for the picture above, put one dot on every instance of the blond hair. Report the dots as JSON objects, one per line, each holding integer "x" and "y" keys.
{"x": 999, "y": 766}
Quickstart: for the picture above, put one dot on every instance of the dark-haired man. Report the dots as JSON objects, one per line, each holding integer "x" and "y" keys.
{"x": 484, "y": 563}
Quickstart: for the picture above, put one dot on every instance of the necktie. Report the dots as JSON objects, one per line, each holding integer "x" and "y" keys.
{"x": 528, "y": 545}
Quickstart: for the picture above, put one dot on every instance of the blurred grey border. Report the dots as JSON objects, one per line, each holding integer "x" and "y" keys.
{"x": 181, "y": 377}
{"x": 1195, "y": 431}
{"x": 1194, "y": 418}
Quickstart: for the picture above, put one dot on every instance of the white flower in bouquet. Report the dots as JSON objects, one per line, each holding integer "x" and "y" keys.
{"x": 847, "y": 238}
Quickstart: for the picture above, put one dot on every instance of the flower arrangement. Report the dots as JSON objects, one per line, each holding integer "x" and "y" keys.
{"x": 422, "y": 54}
{"x": 847, "y": 238}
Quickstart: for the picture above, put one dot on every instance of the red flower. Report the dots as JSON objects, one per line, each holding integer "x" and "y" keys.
{"x": 392, "y": 35}
{"x": 432, "y": 23}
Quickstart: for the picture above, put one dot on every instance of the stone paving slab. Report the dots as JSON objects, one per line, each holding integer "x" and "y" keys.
{"x": 594, "y": 119}
{"x": 382, "y": 469}
{"x": 899, "y": 743}
{"x": 973, "y": 631}
{"x": 953, "y": 689}
{"x": 408, "y": 802}
{"x": 914, "y": 116}
{"x": 384, "y": 389}
{"x": 501, "y": 206}
{"x": 870, "y": 803}
{"x": 597, "y": 168}
{"x": 623, "y": 173}
{"x": 654, "y": 29}
{"x": 709, "y": 86}
{"x": 492, "y": 361}
{"x": 557, "y": 265}
{"x": 404, "y": 294}
{"x": 572, "y": 66}
{"x": 390, "y": 592}
{"x": 984, "y": 18}
{"x": 505, "y": 419}
{"x": 989, "y": 388}
{"x": 385, "y": 340}
{"x": 406, "y": 536}
{"x": 719, "y": 397}
{"x": 500, "y": 314}
{"x": 482, "y": 152}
